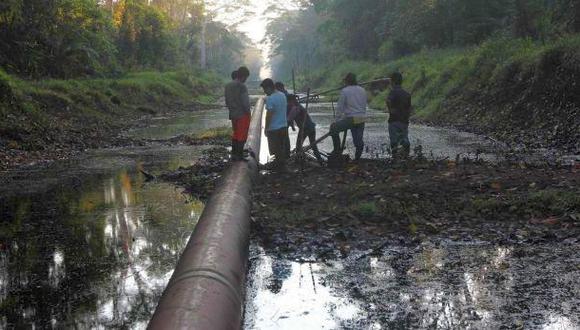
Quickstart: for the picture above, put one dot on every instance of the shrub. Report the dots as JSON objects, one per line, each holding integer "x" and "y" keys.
{"x": 367, "y": 209}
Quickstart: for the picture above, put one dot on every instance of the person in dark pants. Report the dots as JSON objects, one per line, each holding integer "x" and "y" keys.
{"x": 399, "y": 105}
{"x": 352, "y": 110}
{"x": 298, "y": 116}
{"x": 238, "y": 104}
{"x": 276, "y": 124}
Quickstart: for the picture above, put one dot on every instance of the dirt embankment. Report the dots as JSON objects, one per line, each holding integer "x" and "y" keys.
{"x": 48, "y": 120}
{"x": 519, "y": 91}
{"x": 527, "y": 105}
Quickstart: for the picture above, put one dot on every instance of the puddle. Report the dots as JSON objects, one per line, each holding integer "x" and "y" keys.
{"x": 436, "y": 142}
{"x": 184, "y": 123}
{"x": 291, "y": 295}
{"x": 420, "y": 287}
{"x": 88, "y": 242}
{"x": 99, "y": 253}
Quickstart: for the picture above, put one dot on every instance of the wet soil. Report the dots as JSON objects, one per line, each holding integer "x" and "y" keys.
{"x": 416, "y": 244}
{"x": 91, "y": 241}
{"x": 75, "y": 138}
{"x": 199, "y": 180}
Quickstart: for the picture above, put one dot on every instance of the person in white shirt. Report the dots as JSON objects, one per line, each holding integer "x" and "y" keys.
{"x": 352, "y": 112}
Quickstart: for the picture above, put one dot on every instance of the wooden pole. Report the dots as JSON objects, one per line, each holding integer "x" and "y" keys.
{"x": 301, "y": 132}
{"x": 340, "y": 88}
{"x": 293, "y": 82}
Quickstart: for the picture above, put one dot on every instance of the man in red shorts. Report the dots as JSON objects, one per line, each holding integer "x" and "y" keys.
{"x": 238, "y": 104}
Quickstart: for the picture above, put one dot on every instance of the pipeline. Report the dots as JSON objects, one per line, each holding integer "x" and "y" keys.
{"x": 206, "y": 290}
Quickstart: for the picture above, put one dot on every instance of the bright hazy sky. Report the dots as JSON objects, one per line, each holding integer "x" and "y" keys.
{"x": 253, "y": 23}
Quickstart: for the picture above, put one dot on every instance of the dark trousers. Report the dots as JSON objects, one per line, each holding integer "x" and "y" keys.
{"x": 311, "y": 134}
{"x": 343, "y": 125}
{"x": 278, "y": 144}
{"x": 399, "y": 135}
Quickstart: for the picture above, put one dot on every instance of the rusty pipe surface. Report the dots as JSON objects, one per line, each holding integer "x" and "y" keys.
{"x": 207, "y": 287}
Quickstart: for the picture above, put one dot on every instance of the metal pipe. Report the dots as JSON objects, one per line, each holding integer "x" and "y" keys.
{"x": 207, "y": 286}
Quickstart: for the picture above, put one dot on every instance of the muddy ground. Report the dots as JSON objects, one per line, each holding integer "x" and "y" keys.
{"x": 421, "y": 244}
{"x": 74, "y": 141}
{"x": 410, "y": 244}
{"x": 322, "y": 213}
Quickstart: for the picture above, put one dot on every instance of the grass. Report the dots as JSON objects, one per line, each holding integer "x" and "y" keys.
{"x": 528, "y": 205}
{"x": 366, "y": 209}
{"x": 35, "y": 112}
{"x": 214, "y": 133}
{"x": 434, "y": 76}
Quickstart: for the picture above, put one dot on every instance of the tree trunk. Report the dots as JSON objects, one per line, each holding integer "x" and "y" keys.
{"x": 576, "y": 5}
{"x": 203, "y": 51}
{"x": 110, "y": 6}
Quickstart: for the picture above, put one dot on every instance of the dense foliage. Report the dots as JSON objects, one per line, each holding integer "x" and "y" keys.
{"x": 72, "y": 38}
{"x": 331, "y": 31}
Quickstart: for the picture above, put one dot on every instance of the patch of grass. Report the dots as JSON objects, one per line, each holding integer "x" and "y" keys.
{"x": 435, "y": 76}
{"x": 556, "y": 202}
{"x": 533, "y": 204}
{"x": 215, "y": 133}
{"x": 366, "y": 209}
{"x": 36, "y": 112}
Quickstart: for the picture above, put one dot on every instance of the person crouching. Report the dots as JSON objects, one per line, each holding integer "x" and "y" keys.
{"x": 298, "y": 116}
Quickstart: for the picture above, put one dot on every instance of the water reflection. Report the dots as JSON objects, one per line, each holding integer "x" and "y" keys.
{"x": 290, "y": 295}
{"x": 182, "y": 124}
{"x": 424, "y": 286}
{"x": 436, "y": 142}
{"x": 96, "y": 253}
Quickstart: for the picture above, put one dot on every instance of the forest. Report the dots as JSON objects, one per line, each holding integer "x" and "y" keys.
{"x": 493, "y": 67}
{"x": 80, "y": 38}
{"x": 332, "y": 31}
{"x": 141, "y": 187}
{"x": 72, "y": 72}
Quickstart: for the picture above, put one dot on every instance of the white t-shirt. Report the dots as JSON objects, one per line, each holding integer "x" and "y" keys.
{"x": 352, "y": 102}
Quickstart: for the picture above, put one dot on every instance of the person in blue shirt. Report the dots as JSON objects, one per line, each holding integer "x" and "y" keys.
{"x": 276, "y": 124}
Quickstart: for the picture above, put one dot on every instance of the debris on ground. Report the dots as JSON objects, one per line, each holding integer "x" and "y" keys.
{"x": 322, "y": 213}
{"x": 200, "y": 179}
{"x": 418, "y": 244}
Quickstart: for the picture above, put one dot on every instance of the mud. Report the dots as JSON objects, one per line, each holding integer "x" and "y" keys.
{"x": 91, "y": 241}
{"x": 416, "y": 244}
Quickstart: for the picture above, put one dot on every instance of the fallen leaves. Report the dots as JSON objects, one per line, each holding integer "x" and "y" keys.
{"x": 546, "y": 221}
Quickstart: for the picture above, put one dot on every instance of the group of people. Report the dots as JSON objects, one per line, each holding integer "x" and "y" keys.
{"x": 283, "y": 110}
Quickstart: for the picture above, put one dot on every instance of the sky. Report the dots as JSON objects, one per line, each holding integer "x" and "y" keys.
{"x": 251, "y": 18}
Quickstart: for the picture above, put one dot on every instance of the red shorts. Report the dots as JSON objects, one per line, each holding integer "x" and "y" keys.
{"x": 241, "y": 126}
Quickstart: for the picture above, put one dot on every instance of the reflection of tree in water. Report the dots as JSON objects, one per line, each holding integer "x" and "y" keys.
{"x": 68, "y": 256}
{"x": 281, "y": 271}
{"x": 457, "y": 287}
{"x": 42, "y": 229}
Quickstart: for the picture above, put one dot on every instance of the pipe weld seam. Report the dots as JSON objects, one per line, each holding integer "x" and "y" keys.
{"x": 208, "y": 274}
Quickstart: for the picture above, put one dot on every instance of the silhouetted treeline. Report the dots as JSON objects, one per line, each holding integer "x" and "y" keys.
{"x": 330, "y": 31}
